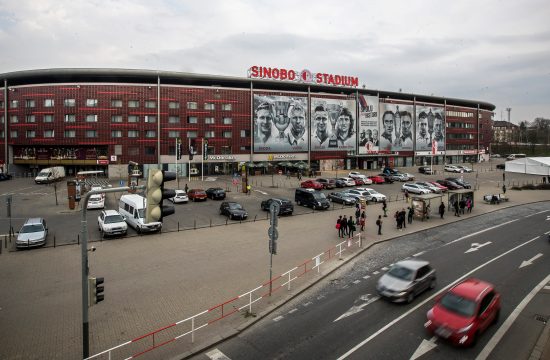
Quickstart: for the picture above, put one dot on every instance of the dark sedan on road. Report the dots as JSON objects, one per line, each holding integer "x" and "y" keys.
{"x": 341, "y": 198}
{"x": 233, "y": 210}
{"x": 285, "y": 206}
{"x": 196, "y": 195}
{"x": 339, "y": 183}
{"x": 463, "y": 183}
{"x": 215, "y": 193}
{"x": 450, "y": 184}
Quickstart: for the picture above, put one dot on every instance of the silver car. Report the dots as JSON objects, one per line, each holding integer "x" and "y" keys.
{"x": 33, "y": 233}
{"x": 406, "y": 279}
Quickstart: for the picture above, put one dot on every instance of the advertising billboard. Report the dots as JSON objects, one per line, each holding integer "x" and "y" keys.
{"x": 430, "y": 129}
{"x": 396, "y": 132}
{"x": 333, "y": 124}
{"x": 368, "y": 125}
{"x": 280, "y": 124}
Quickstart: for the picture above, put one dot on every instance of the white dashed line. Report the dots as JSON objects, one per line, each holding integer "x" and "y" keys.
{"x": 376, "y": 273}
{"x": 385, "y": 268}
{"x": 308, "y": 303}
{"x": 357, "y": 282}
{"x": 418, "y": 254}
{"x": 292, "y": 311}
{"x": 278, "y": 318}
{"x": 366, "y": 277}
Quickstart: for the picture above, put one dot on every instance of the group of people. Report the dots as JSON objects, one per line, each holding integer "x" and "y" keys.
{"x": 347, "y": 226}
{"x": 462, "y": 206}
{"x": 401, "y": 215}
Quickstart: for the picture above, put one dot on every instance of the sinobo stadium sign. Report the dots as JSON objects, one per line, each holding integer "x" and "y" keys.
{"x": 306, "y": 76}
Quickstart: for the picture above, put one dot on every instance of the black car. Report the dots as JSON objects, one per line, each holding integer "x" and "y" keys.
{"x": 451, "y": 185}
{"x": 327, "y": 183}
{"x": 339, "y": 183}
{"x": 425, "y": 170}
{"x": 215, "y": 193}
{"x": 5, "y": 177}
{"x": 463, "y": 183}
{"x": 285, "y": 206}
{"x": 342, "y": 198}
{"x": 233, "y": 210}
{"x": 389, "y": 179}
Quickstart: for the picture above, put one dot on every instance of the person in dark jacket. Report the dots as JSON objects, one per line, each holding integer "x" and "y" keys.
{"x": 339, "y": 226}
{"x": 462, "y": 205}
{"x": 351, "y": 227}
{"x": 363, "y": 220}
{"x": 410, "y": 215}
{"x": 457, "y": 208}
{"x": 379, "y": 224}
{"x": 403, "y": 217}
{"x": 442, "y": 209}
{"x": 344, "y": 226}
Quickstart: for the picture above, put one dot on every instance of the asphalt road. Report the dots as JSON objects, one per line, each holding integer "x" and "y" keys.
{"x": 344, "y": 318}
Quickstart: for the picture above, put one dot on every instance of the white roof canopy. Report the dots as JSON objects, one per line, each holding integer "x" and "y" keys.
{"x": 530, "y": 165}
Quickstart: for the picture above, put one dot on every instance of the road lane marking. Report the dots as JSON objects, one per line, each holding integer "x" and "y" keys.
{"x": 357, "y": 308}
{"x": 410, "y": 311}
{"x": 481, "y": 231}
{"x": 476, "y": 247}
{"x": 385, "y": 268}
{"x": 510, "y": 320}
{"x": 418, "y": 254}
{"x": 292, "y": 311}
{"x": 530, "y": 261}
{"x": 217, "y": 355}
{"x": 424, "y": 347}
{"x": 366, "y": 277}
{"x": 278, "y": 318}
{"x": 376, "y": 272}
{"x": 540, "y": 212}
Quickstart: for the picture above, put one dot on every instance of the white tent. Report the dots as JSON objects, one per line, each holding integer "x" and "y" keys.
{"x": 530, "y": 165}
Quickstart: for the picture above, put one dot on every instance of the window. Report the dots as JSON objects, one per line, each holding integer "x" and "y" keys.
{"x": 133, "y": 103}
{"x": 2, "y": 119}
{"x": 173, "y": 120}
{"x": 227, "y": 121}
{"x": 133, "y": 118}
{"x": 150, "y": 133}
{"x": 71, "y": 118}
{"x": 173, "y": 134}
{"x": 30, "y": 103}
{"x": 48, "y": 118}
{"x": 209, "y": 120}
{"x": 173, "y": 105}
{"x": 227, "y": 134}
{"x": 91, "y": 133}
{"x": 227, "y": 107}
{"x": 69, "y": 133}
{"x": 49, "y": 133}
{"x": 133, "y": 150}
{"x": 116, "y": 133}
{"x": 133, "y": 133}
{"x": 191, "y": 105}
{"x": 14, "y": 119}
{"x": 116, "y": 118}
{"x": 150, "y": 104}
{"x": 226, "y": 150}
{"x": 209, "y": 134}
{"x": 192, "y": 134}
{"x": 245, "y": 148}
{"x": 150, "y": 119}
{"x": 91, "y": 118}
{"x": 245, "y": 133}
{"x": 209, "y": 106}
{"x": 30, "y": 119}
{"x": 14, "y": 104}
{"x": 49, "y": 102}
{"x": 191, "y": 119}
{"x": 485, "y": 302}
{"x": 1, "y": 104}
{"x": 69, "y": 102}
{"x": 30, "y": 134}
{"x": 116, "y": 103}
{"x": 13, "y": 134}
{"x": 149, "y": 150}
{"x": 91, "y": 102}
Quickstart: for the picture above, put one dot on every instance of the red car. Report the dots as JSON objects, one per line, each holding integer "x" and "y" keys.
{"x": 377, "y": 179}
{"x": 359, "y": 181}
{"x": 196, "y": 195}
{"x": 312, "y": 184}
{"x": 442, "y": 187}
{"x": 464, "y": 312}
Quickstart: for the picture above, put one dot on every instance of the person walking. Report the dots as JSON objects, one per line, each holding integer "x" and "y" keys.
{"x": 363, "y": 220}
{"x": 462, "y": 205}
{"x": 469, "y": 205}
{"x": 442, "y": 209}
{"x": 186, "y": 188}
{"x": 504, "y": 189}
{"x": 357, "y": 214}
{"x": 248, "y": 189}
{"x": 457, "y": 208}
{"x": 410, "y": 215}
{"x": 379, "y": 224}
{"x": 403, "y": 218}
{"x": 344, "y": 226}
{"x": 397, "y": 219}
{"x": 385, "y": 208}
{"x": 339, "y": 226}
{"x": 351, "y": 227}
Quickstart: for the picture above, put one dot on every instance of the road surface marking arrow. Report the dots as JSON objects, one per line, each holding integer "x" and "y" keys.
{"x": 476, "y": 247}
{"x": 424, "y": 347}
{"x": 357, "y": 308}
{"x": 217, "y": 355}
{"x": 530, "y": 261}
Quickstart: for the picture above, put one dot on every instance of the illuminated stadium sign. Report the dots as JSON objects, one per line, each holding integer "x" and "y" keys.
{"x": 304, "y": 76}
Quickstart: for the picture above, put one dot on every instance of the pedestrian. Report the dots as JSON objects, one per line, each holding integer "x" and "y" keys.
{"x": 503, "y": 176}
{"x": 462, "y": 205}
{"x": 469, "y": 205}
{"x": 385, "y": 208}
{"x": 186, "y": 188}
{"x": 402, "y": 217}
{"x": 504, "y": 189}
{"x": 397, "y": 219}
{"x": 299, "y": 175}
{"x": 338, "y": 225}
{"x": 407, "y": 196}
{"x": 457, "y": 208}
{"x": 544, "y": 179}
{"x": 379, "y": 224}
{"x": 344, "y": 226}
{"x": 410, "y": 215}
{"x": 351, "y": 227}
{"x": 357, "y": 214}
{"x": 442, "y": 209}
{"x": 288, "y": 174}
{"x": 427, "y": 214}
{"x": 363, "y": 220}
{"x": 248, "y": 189}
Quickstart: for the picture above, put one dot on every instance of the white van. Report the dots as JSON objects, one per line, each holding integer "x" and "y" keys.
{"x": 515, "y": 156}
{"x": 49, "y": 175}
{"x": 132, "y": 207}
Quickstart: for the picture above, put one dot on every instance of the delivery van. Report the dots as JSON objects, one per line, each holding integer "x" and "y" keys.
{"x": 132, "y": 207}
{"x": 51, "y": 174}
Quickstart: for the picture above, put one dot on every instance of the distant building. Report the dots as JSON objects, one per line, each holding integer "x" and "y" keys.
{"x": 504, "y": 132}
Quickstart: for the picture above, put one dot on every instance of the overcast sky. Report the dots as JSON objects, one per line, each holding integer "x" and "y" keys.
{"x": 493, "y": 51}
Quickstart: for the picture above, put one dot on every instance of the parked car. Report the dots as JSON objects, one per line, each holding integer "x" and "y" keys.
{"x": 501, "y": 166}
{"x": 233, "y": 210}
{"x": 341, "y": 198}
{"x": 389, "y": 178}
{"x": 450, "y": 184}
{"x": 196, "y": 195}
{"x": 359, "y": 181}
{"x": 311, "y": 184}
{"x": 4, "y": 177}
{"x": 389, "y": 170}
{"x": 312, "y": 198}
{"x": 34, "y": 232}
{"x": 410, "y": 177}
{"x": 452, "y": 168}
{"x": 400, "y": 177}
{"x": 339, "y": 183}
{"x": 285, "y": 206}
{"x": 415, "y": 189}
{"x": 180, "y": 197}
{"x": 215, "y": 193}
{"x": 377, "y": 179}
{"x": 372, "y": 195}
{"x": 96, "y": 201}
{"x": 429, "y": 186}
{"x": 463, "y": 183}
{"x": 425, "y": 170}
{"x": 464, "y": 311}
{"x": 406, "y": 279}
{"x": 111, "y": 223}
{"x": 464, "y": 168}
{"x": 356, "y": 175}
{"x": 440, "y": 186}
{"x": 355, "y": 195}
{"x": 327, "y": 183}
{"x": 348, "y": 181}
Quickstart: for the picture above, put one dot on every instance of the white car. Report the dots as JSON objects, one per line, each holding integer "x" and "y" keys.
{"x": 415, "y": 189}
{"x": 409, "y": 176}
{"x": 110, "y": 222}
{"x": 429, "y": 186}
{"x": 452, "y": 168}
{"x": 401, "y": 177}
{"x": 96, "y": 201}
{"x": 464, "y": 168}
{"x": 348, "y": 181}
{"x": 372, "y": 195}
{"x": 181, "y": 197}
{"x": 355, "y": 175}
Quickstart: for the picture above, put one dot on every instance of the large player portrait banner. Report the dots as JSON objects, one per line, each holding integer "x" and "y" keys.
{"x": 333, "y": 124}
{"x": 396, "y": 131}
{"x": 280, "y": 124}
{"x": 368, "y": 124}
{"x": 430, "y": 126}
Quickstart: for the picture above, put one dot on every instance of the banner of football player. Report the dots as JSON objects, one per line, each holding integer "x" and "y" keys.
{"x": 333, "y": 124}
{"x": 430, "y": 127}
{"x": 396, "y": 131}
{"x": 368, "y": 124}
{"x": 280, "y": 124}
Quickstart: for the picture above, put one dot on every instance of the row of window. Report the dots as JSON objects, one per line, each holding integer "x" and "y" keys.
{"x": 117, "y": 103}
{"x": 460, "y": 114}
{"x": 71, "y": 118}
{"x": 149, "y": 134}
{"x": 460, "y": 125}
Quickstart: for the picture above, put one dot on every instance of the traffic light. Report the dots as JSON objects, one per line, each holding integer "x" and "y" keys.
{"x": 95, "y": 290}
{"x": 205, "y": 150}
{"x": 156, "y": 193}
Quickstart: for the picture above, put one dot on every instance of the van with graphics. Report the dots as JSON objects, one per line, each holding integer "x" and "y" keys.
{"x": 132, "y": 207}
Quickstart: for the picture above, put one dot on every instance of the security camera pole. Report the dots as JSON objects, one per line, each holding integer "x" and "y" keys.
{"x": 273, "y": 236}
{"x": 85, "y": 269}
